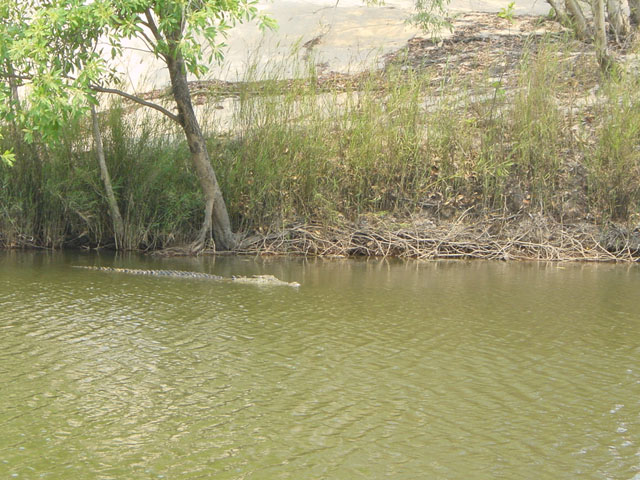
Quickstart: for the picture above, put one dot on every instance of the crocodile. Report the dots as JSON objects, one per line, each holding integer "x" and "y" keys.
{"x": 266, "y": 280}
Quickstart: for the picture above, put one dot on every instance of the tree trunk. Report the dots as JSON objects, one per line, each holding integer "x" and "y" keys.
{"x": 617, "y": 20}
{"x": 118, "y": 224}
{"x": 216, "y": 217}
{"x": 579, "y": 21}
{"x": 600, "y": 36}
{"x": 561, "y": 13}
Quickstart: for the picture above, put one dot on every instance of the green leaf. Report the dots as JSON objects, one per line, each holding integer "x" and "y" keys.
{"x": 8, "y": 158}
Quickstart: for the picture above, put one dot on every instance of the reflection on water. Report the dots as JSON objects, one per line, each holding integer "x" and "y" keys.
{"x": 371, "y": 369}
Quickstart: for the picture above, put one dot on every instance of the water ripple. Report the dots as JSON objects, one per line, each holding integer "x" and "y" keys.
{"x": 370, "y": 370}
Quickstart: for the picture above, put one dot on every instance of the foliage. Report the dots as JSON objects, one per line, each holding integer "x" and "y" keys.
{"x": 7, "y": 157}
{"x": 61, "y": 202}
{"x": 431, "y": 16}
{"x": 56, "y": 49}
{"x": 63, "y": 50}
{"x": 507, "y": 12}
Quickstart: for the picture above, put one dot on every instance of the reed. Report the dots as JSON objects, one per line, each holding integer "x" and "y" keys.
{"x": 614, "y": 163}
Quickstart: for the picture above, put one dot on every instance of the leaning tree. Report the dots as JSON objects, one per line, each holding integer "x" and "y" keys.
{"x": 63, "y": 53}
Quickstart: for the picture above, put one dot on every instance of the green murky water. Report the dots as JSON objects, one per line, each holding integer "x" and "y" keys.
{"x": 370, "y": 370}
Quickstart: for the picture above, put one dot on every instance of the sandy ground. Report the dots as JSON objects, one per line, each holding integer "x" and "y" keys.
{"x": 345, "y": 36}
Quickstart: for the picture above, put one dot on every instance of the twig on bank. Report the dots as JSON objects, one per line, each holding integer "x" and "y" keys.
{"x": 455, "y": 240}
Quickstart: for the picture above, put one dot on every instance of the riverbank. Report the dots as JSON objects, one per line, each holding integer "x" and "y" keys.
{"x": 518, "y": 237}
{"x": 501, "y": 142}
{"x": 522, "y": 237}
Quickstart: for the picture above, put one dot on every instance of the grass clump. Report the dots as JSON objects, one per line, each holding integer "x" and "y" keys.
{"x": 614, "y": 166}
{"x": 54, "y": 196}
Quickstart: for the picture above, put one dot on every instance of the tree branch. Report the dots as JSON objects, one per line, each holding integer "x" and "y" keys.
{"x": 152, "y": 26}
{"x": 137, "y": 100}
{"x": 114, "y": 91}
{"x": 148, "y": 42}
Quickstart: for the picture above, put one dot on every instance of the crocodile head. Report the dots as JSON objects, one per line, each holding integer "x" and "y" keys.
{"x": 266, "y": 280}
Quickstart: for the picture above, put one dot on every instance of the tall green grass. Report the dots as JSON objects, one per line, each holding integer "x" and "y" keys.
{"x": 397, "y": 141}
{"x": 614, "y": 163}
{"x": 55, "y": 196}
